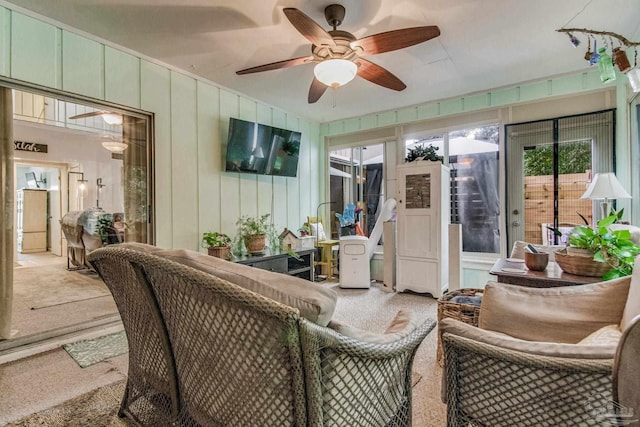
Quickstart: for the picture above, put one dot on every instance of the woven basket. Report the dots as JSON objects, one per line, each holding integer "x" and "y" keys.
{"x": 580, "y": 265}
{"x": 219, "y": 251}
{"x": 255, "y": 243}
{"x": 463, "y": 312}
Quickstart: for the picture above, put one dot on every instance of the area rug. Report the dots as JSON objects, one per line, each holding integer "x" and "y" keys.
{"x": 89, "y": 352}
{"x": 97, "y": 408}
{"x": 370, "y": 309}
{"x": 46, "y": 286}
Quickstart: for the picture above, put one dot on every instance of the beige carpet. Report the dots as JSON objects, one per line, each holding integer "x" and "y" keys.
{"x": 370, "y": 309}
{"x": 98, "y": 408}
{"x": 46, "y": 286}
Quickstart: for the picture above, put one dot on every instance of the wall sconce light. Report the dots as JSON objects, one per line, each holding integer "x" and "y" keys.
{"x": 99, "y": 184}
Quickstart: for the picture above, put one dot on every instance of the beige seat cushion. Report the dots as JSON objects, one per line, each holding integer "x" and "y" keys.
{"x": 401, "y": 326}
{"x": 315, "y": 302}
{"x": 541, "y": 348}
{"x": 564, "y": 314}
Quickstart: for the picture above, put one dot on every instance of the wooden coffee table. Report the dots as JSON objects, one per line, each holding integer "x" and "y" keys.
{"x": 513, "y": 271}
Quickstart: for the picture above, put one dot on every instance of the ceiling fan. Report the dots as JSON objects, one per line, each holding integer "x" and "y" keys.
{"x": 109, "y": 117}
{"x": 339, "y": 55}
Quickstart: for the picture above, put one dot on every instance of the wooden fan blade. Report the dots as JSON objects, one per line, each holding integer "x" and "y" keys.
{"x": 308, "y": 27}
{"x": 316, "y": 90}
{"x": 396, "y": 39}
{"x": 276, "y": 65}
{"x": 378, "y": 75}
{"x": 91, "y": 114}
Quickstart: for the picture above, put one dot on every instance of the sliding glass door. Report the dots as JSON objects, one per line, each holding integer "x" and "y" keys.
{"x": 78, "y": 177}
{"x": 549, "y": 165}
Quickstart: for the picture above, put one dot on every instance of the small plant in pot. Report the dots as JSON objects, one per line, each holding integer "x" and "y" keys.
{"x": 253, "y": 231}
{"x": 304, "y": 230}
{"x": 217, "y": 244}
{"x": 423, "y": 152}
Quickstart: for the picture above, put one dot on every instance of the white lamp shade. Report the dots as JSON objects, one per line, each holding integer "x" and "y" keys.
{"x": 605, "y": 186}
{"x": 335, "y": 72}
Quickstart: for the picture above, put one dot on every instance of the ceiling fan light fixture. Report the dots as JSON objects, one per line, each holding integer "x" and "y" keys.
{"x": 335, "y": 72}
{"x": 114, "y": 145}
{"x": 112, "y": 119}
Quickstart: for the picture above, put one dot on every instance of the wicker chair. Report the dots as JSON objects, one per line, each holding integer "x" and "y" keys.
{"x": 529, "y": 363}
{"x": 204, "y": 351}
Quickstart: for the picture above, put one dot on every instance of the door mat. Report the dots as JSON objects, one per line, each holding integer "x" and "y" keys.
{"x": 89, "y": 352}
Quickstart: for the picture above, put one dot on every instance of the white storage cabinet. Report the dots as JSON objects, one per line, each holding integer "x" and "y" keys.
{"x": 422, "y": 263}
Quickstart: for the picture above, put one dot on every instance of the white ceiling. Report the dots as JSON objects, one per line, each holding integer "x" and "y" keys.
{"x": 483, "y": 44}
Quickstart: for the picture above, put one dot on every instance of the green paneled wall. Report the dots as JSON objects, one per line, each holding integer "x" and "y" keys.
{"x": 192, "y": 193}
{"x": 529, "y": 92}
{"x": 155, "y": 95}
{"x": 36, "y": 51}
{"x": 121, "y": 77}
{"x": 83, "y": 65}
{"x": 184, "y": 162}
{"x": 5, "y": 41}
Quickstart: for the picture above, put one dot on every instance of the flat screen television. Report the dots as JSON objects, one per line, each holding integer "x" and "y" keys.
{"x": 261, "y": 149}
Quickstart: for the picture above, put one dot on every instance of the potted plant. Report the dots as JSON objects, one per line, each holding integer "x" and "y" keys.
{"x": 614, "y": 249}
{"x": 304, "y": 230}
{"x": 217, "y": 244}
{"x": 424, "y": 152}
{"x": 253, "y": 231}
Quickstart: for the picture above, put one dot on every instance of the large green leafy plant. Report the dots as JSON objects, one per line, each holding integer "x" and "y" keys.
{"x": 251, "y": 226}
{"x": 613, "y": 247}
{"x": 213, "y": 239}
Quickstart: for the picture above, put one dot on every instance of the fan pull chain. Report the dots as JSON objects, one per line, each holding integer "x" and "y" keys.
{"x": 333, "y": 96}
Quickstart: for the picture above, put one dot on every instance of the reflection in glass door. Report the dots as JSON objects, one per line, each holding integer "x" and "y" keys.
{"x": 357, "y": 177}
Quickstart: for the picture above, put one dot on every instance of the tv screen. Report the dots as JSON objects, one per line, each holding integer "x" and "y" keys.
{"x": 262, "y": 149}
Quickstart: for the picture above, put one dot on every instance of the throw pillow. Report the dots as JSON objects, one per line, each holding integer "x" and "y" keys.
{"x": 607, "y": 335}
{"x": 562, "y": 314}
{"x": 318, "y": 231}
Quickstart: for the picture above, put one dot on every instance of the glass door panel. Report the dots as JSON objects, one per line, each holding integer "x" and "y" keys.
{"x": 357, "y": 177}
{"x": 549, "y": 165}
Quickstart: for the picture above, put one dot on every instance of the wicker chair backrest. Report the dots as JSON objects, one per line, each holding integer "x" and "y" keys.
{"x": 626, "y": 383}
{"x": 237, "y": 354}
{"x": 151, "y": 366}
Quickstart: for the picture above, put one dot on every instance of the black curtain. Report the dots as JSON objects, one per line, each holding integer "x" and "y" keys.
{"x": 372, "y": 189}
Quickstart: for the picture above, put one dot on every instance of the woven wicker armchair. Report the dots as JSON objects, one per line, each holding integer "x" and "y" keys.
{"x": 204, "y": 351}
{"x": 540, "y": 357}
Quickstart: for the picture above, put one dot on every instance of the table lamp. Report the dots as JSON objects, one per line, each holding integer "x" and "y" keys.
{"x": 605, "y": 186}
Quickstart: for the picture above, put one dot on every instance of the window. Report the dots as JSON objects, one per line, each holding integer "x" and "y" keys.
{"x": 472, "y": 156}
